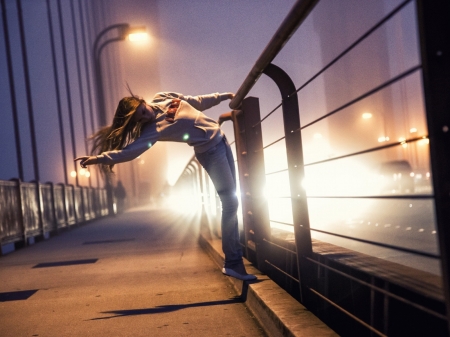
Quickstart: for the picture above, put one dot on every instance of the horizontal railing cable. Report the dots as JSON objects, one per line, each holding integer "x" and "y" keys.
{"x": 403, "y": 196}
{"x": 281, "y": 247}
{"x": 348, "y": 313}
{"x": 374, "y": 243}
{"x": 371, "y": 286}
{"x": 287, "y": 28}
{"x": 380, "y": 244}
{"x": 367, "y": 94}
{"x": 275, "y": 172}
{"x": 282, "y": 271}
{"x": 378, "y": 289}
{"x": 274, "y": 142}
{"x": 354, "y": 44}
{"x": 374, "y": 149}
{"x": 282, "y": 223}
{"x": 268, "y": 115}
{"x": 397, "y": 196}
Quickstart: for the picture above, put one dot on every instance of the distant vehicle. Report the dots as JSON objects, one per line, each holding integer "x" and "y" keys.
{"x": 396, "y": 176}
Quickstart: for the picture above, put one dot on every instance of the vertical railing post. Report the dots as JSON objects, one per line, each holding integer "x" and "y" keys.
{"x": 20, "y": 207}
{"x": 64, "y": 202}
{"x": 40, "y": 204}
{"x": 294, "y": 150}
{"x": 250, "y": 151}
{"x": 54, "y": 209}
{"x": 241, "y": 156}
{"x": 434, "y": 27}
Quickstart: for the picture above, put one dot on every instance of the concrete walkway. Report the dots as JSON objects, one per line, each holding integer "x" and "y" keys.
{"x": 141, "y": 273}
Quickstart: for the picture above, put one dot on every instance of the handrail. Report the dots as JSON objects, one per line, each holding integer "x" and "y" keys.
{"x": 295, "y": 17}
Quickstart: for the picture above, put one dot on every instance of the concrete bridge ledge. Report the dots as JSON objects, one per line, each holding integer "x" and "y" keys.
{"x": 277, "y": 312}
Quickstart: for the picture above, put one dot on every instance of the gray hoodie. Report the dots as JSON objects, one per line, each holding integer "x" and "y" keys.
{"x": 190, "y": 126}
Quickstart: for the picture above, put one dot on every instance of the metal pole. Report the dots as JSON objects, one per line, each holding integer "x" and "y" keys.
{"x": 69, "y": 98}
{"x": 80, "y": 86}
{"x": 12, "y": 91}
{"x": 97, "y": 66}
{"x": 102, "y": 112}
{"x": 28, "y": 91}
{"x": 434, "y": 28}
{"x": 89, "y": 66}
{"x": 88, "y": 82}
{"x": 247, "y": 239}
{"x": 30, "y": 115}
{"x": 254, "y": 179}
{"x": 294, "y": 149}
{"x": 99, "y": 81}
{"x": 58, "y": 94}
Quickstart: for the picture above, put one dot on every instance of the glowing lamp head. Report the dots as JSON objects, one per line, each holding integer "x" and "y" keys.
{"x": 138, "y": 37}
{"x": 137, "y": 34}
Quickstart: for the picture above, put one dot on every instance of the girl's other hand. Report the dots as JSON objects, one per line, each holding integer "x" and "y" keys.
{"x": 86, "y": 160}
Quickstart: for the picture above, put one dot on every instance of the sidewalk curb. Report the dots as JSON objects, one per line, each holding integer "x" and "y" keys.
{"x": 276, "y": 311}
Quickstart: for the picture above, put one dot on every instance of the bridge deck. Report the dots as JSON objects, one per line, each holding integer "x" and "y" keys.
{"x": 141, "y": 273}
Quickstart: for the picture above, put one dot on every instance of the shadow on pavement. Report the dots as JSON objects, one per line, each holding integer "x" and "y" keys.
{"x": 166, "y": 308}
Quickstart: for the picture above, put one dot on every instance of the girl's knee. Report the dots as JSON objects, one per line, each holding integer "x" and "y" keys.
{"x": 229, "y": 201}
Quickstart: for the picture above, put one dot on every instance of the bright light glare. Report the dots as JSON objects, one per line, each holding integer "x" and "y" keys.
{"x": 413, "y": 130}
{"x": 73, "y": 174}
{"x": 383, "y": 139}
{"x": 366, "y": 115}
{"x": 424, "y": 141}
{"x": 138, "y": 37}
{"x": 185, "y": 201}
{"x": 346, "y": 177}
{"x": 277, "y": 185}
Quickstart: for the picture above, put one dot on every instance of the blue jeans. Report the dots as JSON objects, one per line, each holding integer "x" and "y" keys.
{"x": 219, "y": 163}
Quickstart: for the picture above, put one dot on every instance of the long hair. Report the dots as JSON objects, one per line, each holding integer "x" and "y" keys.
{"x": 121, "y": 132}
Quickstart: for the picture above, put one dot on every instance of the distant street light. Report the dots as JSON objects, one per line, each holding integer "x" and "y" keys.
{"x": 124, "y": 30}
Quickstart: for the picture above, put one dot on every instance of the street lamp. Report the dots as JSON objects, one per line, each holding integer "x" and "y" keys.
{"x": 124, "y": 30}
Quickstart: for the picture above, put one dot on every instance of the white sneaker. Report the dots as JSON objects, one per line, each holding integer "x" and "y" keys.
{"x": 239, "y": 272}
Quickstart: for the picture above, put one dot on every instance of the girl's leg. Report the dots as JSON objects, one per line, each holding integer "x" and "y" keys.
{"x": 219, "y": 163}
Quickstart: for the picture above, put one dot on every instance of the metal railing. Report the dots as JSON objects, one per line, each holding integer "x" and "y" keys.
{"x": 31, "y": 211}
{"x": 351, "y": 291}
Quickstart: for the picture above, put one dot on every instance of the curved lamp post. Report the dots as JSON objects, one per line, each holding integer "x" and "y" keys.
{"x": 124, "y": 30}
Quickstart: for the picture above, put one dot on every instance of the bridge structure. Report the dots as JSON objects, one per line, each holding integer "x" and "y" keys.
{"x": 343, "y": 169}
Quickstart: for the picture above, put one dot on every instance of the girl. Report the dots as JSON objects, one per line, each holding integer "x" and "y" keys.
{"x": 138, "y": 125}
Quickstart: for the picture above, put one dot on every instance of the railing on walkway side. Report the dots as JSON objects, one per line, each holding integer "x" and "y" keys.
{"x": 30, "y": 211}
{"x": 347, "y": 207}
